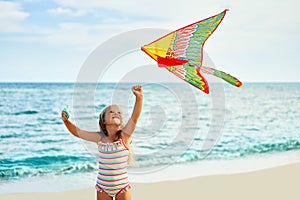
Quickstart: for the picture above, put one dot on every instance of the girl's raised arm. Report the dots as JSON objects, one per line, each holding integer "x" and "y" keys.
{"x": 130, "y": 126}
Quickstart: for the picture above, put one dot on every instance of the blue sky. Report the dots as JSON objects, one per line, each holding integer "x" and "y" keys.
{"x": 44, "y": 40}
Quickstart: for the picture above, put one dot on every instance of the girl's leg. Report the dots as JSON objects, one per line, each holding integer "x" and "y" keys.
{"x": 103, "y": 196}
{"x": 124, "y": 195}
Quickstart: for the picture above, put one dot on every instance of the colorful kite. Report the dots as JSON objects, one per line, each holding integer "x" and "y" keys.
{"x": 181, "y": 52}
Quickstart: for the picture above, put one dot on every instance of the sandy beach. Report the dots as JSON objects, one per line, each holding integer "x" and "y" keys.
{"x": 274, "y": 183}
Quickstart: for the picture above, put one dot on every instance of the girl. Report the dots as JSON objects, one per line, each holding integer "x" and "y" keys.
{"x": 113, "y": 141}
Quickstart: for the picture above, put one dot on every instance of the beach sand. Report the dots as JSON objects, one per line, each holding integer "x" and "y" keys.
{"x": 274, "y": 183}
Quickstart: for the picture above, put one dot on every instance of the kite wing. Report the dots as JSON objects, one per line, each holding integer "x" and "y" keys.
{"x": 181, "y": 51}
{"x": 226, "y": 77}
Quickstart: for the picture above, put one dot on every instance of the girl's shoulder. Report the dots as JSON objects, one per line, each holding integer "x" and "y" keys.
{"x": 126, "y": 137}
{"x": 101, "y": 136}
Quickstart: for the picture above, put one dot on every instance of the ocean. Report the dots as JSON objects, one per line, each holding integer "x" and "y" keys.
{"x": 179, "y": 125}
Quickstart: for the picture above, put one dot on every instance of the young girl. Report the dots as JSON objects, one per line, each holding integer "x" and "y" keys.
{"x": 113, "y": 141}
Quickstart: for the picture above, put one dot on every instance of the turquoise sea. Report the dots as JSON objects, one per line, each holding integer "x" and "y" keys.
{"x": 175, "y": 128}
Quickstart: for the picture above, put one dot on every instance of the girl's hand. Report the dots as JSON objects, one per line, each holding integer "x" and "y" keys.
{"x": 64, "y": 116}
{"x": 137, "y": 91}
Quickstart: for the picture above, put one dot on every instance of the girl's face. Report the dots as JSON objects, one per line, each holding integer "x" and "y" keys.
{"x": 113, "y": 115}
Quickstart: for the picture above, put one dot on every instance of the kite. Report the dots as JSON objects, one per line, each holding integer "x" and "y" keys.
{"x": 181, "y": 53}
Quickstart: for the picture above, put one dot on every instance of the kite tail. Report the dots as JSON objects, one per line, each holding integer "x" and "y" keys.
{"x": 226, "y": 77}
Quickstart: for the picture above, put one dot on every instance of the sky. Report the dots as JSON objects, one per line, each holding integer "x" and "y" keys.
{"x": 50, "y": 40}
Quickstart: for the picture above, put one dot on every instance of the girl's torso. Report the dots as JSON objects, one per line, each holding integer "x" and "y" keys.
{"x": 112, "y": 173}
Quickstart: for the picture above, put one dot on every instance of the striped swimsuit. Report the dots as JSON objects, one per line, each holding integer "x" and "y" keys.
{"x": 112, "y": 174}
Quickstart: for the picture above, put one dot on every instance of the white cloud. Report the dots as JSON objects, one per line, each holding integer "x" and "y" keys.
{"x": 256, "y": 17}
{"x": 118, "y": 16}
{"x": 67, "y": 11}
{"x": 178, "y": 9}
{"x": 11, "y": 17}
{"x": 267, "y": 19}
{"x": 86, "y": 37}
{"x": 71, "y": 34}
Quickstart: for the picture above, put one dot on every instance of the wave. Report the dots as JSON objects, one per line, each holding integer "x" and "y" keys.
{"x": 53, "y": 141}
{"x": 49, "y": 122}
{"x": 26, "y": 112}
{"x": 100, "y": 106}
{"x": 11, "y": 169}
{"x": 24, "y": 171}
{"x": 11, "y": 126}
{"x": 219, "y": 152}
{"x": 38, "y": 166}
{"x": 7, "y": 136}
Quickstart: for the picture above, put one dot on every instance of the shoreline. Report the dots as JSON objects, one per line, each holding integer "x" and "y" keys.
{"x": 63, "y": 183}
{"x": 217, "y": 167}
{"x": 274, "y": 183}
